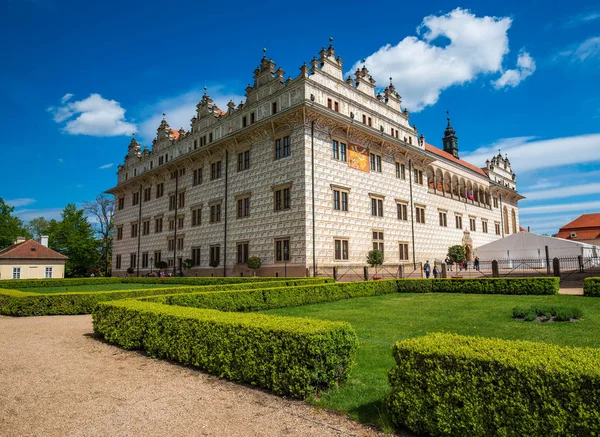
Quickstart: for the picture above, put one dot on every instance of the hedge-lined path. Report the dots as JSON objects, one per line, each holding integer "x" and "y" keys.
{"x": 56, "y": 380}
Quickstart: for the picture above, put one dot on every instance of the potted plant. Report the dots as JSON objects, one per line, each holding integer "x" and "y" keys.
{"x": 457, "y": 255}
{"x": 254, "y": 263}
{"x": 187, "y": 265}
{"x": 375, "y": 259}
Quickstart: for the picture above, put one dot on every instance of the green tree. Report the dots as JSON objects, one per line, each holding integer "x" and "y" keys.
{"x": 187, "y": 265}
{"x": 254, "y": 263}
{"x": 375, "y": 259}
{"x": 74, "y": 237}
{"x": 38, "y": 226}
{"x": 457, "y": 253}
{"x": 11, "y": 227}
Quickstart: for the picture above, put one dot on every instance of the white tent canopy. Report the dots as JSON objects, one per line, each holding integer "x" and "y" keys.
{"x": 525, "y": 245}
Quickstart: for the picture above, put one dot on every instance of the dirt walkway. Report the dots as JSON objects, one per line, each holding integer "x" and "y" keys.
{"x": 57, "y": 380}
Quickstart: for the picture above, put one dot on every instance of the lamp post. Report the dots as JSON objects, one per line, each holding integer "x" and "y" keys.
{"x": 151, "y": 265}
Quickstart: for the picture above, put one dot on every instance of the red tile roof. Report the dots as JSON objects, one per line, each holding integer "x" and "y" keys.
{"x": 30, "y": 249}
{"x": 587, "y": 227}
{"x": 522, "y": 229}
{"x": 458, "y": 161}
{"x": 584, "y": 221}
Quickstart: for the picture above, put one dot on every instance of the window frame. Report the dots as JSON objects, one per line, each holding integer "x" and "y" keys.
{"x": 341, "y": 249}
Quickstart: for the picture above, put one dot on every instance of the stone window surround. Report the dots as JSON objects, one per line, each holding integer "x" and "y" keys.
{"x": 341, "y": 259}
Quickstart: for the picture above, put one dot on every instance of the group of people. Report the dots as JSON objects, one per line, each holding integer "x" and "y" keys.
{"x": 449, "y": 263}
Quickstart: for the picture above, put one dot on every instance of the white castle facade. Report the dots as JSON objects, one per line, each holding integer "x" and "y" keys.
{"x": 307, "y": 173}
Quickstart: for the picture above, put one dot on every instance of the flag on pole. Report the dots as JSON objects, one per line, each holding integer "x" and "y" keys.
{"x": 470, "y": 196}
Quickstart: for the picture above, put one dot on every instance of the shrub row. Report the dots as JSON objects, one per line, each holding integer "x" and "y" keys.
{"x": 449, "y": 385}
{"x": 531, "y": 286}
{"x": 591, "y": 287}
{"x": 283, "y": 354}
{"x": 187, "y": 280}
{"x": 560, "y": 314}
{"x": 258, "y": 299}
{"x": 19, "y": 303}
{"x": 268, "y": 298}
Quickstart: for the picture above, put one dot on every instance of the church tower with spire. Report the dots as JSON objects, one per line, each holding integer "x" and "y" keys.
{"x": 450, "y": 140}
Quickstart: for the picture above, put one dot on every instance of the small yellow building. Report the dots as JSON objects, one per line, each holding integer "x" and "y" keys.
{"x": 28, "y": 259}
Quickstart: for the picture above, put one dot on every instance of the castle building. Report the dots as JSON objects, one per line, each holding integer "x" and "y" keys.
{"x": 307, "y": 173}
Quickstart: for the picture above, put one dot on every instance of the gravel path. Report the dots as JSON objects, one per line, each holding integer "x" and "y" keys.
{"x": 57, "y": 380}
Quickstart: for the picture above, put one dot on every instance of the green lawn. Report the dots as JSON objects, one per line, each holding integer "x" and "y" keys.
{"x": 381, "y": 320}
{"x": 94, "y": 288}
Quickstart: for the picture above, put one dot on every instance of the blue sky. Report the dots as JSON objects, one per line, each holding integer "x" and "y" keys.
{"x": 79, "y": 77}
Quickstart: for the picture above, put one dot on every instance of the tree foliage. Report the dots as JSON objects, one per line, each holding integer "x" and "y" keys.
{"x": 375, "y": 258}
{"x": 74, "y": 237}
{"x": 187, "y": 264}
{"x": 254, "y": 263}
{"x": 11, "y": 227}
{"x": 457, "y": 253}
{"x": 38, "y": 226}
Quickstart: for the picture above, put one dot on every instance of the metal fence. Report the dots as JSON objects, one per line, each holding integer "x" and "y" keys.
{"x": 571, "y": 269}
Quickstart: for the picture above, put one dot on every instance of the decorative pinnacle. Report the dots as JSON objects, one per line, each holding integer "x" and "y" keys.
{"x": 330, "y": 39}
{"x": 264, "y": 52}
{"x": 164, "y": 115}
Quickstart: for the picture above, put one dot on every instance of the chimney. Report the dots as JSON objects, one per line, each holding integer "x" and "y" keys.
{"x": 20, "y": 240}
{"x": 44, "y": 240}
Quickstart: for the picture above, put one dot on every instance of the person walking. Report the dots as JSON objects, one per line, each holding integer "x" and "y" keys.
{"x": 427, "y": 269}
{"x": 448, "y": 264}
{"x": 476, "y": 263}
{"x": 435, "y": 272}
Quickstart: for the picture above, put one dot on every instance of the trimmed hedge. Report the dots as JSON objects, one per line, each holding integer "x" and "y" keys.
{"x": 450, "y": 385}
{"x": 591, "y": 287}
{"x": 531, "y": 286}
{"x": 187, "y": 280}
{"x": 19, "y": 303}
{"x": 283, "y": 354}
{"x": 268, "y": 298}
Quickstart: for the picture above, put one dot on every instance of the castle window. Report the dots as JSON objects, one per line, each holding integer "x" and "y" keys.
{"x": 443, "y": 219}
{"x": 145, "y": 260}
{"x": 121, "y": 203}
{"x": 147, "y": 194}
{"x": 210, "y": 137}
{"x": 181, "y": 200}
{"x": 402, "y": 211}
{"x": 146, "y": 227}
{"x": 282, "y": 250}
{"x": 117, "y": 263}
{"x": 215, "y": 170}
{"x": 376, "y": 207}
{"x": 336, "y": 107}
{"x": 132, "y": 260}
{"x": 420, "y": 214}
{"x": 418, "y": 177}
{"x": 215, "y": 212}
{"x": 215, "y": 255}
{"x": 157, "y": 257}
{"x": 378, "y": 241}
{"x": 458, "y": 220}
{"x": 244, "y": 160}
{"x": 160, "y": 189}
{"x": 197, "y": 178}
{"x": 338, "y": 150}
{"x": 282, "y": 199}
{"x": 329, "y": 103}
{"x": 243, "y": 206}
{"x": 196, "y": 216}
{"x": 403, "y": 251}
{"x": 134, "y": 230}
{"x": 375, "y": 162}
{"x": 244, "y": 121}
{"x": 195, "y": 256}
{"x": 242, "y": 253}
{"x": 484, "y": 227}
{"x": 364, "y": 119}
{"x": 341, "y": 250}
{"x": 472, "y": 224}
{"x": 282, "y": 147}
{"x": 180, "y": 221}
{"x": 497, "y": 227}
{"x": 158, "y": 225}
{"x": 136, "y": 198}
{"x": 252, "y": 118}
{"x": 172, "y": 202}
{"x": 400, "y": 171}
{"x": 274, "y": 108}
{"x": 370, "y": 122}
{"x": 119, "y": 232}
{"x": 340, "y": 200}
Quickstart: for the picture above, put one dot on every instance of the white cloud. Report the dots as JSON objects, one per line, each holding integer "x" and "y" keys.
{"x": 512, "y": 78}
{"x": 95, "y": 116}
{"x": 421, "y": 70}
{"x": 582, "y": 19}
{"x": 581, "y": 52}
{"x": 588, "y": 49}
{"x": 105, "y": 166}
{"x": 48, "y": 213}
{"x": 180, "y": 109}
{"x": 558, "y": 193}
{"x": 60, "y": 160}
{"x": 17, "y": 203}
{"x": 542, "y": 184}
{"x": 526, "y": 155}
{"x": 562, "y": 207}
